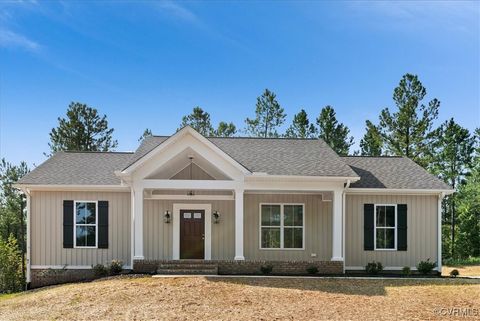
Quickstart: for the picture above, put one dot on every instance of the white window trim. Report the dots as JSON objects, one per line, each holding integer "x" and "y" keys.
{"x": 281, "y": 227}
{"x": 75, "y": 225}
{"x": 381, "y": 227}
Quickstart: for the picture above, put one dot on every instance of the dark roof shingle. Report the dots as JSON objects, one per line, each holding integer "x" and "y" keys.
{"x": 393, "y": 173}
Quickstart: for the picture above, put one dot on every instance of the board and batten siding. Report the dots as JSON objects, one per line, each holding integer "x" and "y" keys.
{"x": 158, "y": 235}
{"x": 318, "y": 228}
{"x": 422, "y": 231}
{"x": 46, "y": 214}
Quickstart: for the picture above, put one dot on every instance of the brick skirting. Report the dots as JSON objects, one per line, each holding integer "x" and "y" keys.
{"x": 253, "y": 267}
{"x": 44, "y": 277}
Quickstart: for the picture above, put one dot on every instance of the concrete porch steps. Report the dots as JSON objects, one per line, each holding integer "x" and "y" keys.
{"x": 187, "y": 267}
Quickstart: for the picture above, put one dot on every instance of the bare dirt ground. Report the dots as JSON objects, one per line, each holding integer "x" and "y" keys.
{"x": 465, "y": 270}
{"x": 208, "y": 298}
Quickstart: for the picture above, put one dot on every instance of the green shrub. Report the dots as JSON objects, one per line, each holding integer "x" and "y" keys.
{"x": 374, "y": 267}
{"x": 100, "y": 270}
{"x": 115, "y": 267}
{"x": 466, "y": 261}
{"x": 454, "y": 273}
{"x": 426, "y": 267}
{"x": 312, "y": 269}
{"x": 266, "y": 269}
{"x": 11, "y": 276}
{"x": 406, "y": 270}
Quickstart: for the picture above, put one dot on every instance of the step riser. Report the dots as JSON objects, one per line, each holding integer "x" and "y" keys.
{"x": 194, "y": 267}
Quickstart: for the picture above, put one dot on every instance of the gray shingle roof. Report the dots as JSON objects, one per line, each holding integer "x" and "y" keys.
{"x": 78, "y": 168}
{"x": 392, "y": 172}
{"x": 274, "y": 156}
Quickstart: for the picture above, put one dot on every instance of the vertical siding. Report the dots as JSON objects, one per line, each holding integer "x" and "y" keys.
{"x": 318, "y": 228}
{"x": 47, "y": 229}
{"x": 421, "y": 231}
{"x": 158, "y": 236}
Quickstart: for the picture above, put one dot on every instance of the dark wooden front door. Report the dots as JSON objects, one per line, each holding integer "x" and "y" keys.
{"x": 192, "y": 234}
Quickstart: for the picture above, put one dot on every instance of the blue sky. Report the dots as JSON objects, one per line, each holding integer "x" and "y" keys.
{"x": 145, "y": 64}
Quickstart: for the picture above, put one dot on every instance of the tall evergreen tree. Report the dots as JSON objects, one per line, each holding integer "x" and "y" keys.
{"x": 301, "y": 127}
{"x": 372, "y": 142}
{"x": 146, "y": 133}
{"x": 198, "y": 120}
{"x": 269, "y": 116}
{"x": 225, "y": 130}
{"x": 335, "y": 134}
{"x": 407, "y": 131}
{"x": 451, "y": 159}
{"x": 83, "y": 130}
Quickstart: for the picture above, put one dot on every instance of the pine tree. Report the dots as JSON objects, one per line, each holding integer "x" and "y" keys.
{"x": 146, "y": 133}
{"x": 451, "y": 159}
{"x": 225, "y": 130}
{"x": 301, "y": 127}
{"x": 198, "y": 120}
{"x": 372, "y": 142}
{"x": 269, "y": 116}
{"x": 407, "y": 131}
{"x": 82, "y": 130}
{"x": 335, "y": 134}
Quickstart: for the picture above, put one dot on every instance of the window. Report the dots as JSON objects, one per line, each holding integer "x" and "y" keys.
{"x": 281, "y": 226}
{"x": 85, "y": 224}
{"x": 385, "y": 227}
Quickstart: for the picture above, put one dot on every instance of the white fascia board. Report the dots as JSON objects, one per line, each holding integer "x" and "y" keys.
{"x": 299, "y": 185}
{"x": 103, "y": 188}
{"x": 188, "y": 184}
{"x": 298, "y": 178}
{"x": 398, "y": 191}
{"x": 177, "y": 136}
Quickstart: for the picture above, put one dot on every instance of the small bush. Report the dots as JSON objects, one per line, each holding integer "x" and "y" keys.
{"x": 406, "y": 271}
{"x": 115, "y": 267}
{"x": 426, "y": 267}
{"x": 11, "y": 278}
{"x": 374, "y": 267}
{"x": 454, "y": 273}
{"x": 472, "y": 260}
{"x": 100, "y": 270}
{"x": 312, "y": 269}
{"x": 266, "y": 269}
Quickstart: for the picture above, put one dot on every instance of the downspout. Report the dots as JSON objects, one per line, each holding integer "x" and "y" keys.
{"x": 439, "y": 232}
{"x": 343, "y": 222}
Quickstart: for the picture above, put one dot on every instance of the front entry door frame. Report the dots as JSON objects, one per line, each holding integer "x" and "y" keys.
{"x": 176, "y": 228}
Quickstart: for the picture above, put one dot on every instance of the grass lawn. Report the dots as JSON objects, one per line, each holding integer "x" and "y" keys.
{"x": 465, "y": 270}
{"x": 238, "y": 298}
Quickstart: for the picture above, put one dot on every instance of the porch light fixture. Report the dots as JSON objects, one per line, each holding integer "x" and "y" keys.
{"x": 166, "y": 217}
{"x": 216, "y": 217}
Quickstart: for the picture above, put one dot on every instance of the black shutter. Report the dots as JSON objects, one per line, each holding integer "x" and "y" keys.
{"x": 368, "y": 227}
{"x": 68, "y": 224}
{"x": 103, "y": 224}
{"x": 402, "y": 227}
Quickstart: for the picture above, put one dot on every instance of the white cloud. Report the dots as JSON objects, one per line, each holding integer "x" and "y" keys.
{"x": 10, "y": 39}
{"x": 178, "y": 11}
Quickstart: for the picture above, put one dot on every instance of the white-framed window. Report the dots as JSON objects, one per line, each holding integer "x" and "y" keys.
{"x": 385, "y": 226}
{"x": 282, "y": 226}
{"x": 85, "y": 224}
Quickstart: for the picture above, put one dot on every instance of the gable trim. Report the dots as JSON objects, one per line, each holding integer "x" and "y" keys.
{"x": 177, "y": 136}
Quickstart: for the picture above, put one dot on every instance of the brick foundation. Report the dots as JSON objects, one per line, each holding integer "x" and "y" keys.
{"x": 44, "y": 277}
{"x": 253, "y": 267}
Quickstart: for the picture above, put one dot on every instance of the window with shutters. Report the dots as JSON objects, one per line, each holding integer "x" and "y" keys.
{"x": 282, "y": 226}
{"x": 385, "y": 227}
{"x": 86, "y": 222}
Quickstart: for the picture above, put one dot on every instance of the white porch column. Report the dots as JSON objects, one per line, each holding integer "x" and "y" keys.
{"x": 239, "y": 224}
{"x": 337, "y": 226}
{"x": 137, "y": 221}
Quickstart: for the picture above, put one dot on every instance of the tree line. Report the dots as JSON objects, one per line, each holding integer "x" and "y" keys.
{"x": 448, "y": 151}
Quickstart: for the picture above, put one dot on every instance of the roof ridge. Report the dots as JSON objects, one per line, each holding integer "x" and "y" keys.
{"x": 247, "y": 137}
{"x": 93, "y": 152}
{"x": 367, "y": 156}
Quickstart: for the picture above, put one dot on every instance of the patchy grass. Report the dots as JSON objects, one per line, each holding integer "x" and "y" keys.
{"x": 4, "y": 296}
{"x": 207, "y": 298}
{"x": 465, "y": 270}
{"x": 461, "y": 262}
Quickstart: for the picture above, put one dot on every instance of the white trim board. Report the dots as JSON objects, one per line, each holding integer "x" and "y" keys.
{"x": 176, "y": 228}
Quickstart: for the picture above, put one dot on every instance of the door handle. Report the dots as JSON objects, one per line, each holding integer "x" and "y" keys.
{"x": 203, "y": 236}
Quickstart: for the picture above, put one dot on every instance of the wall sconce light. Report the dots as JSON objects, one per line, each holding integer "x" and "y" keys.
{"x": 216, "y": 217}
{"x": 166, "y": 217}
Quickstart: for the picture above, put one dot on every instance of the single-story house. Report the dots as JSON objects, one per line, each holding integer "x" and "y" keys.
{"x": 229, "y": 205}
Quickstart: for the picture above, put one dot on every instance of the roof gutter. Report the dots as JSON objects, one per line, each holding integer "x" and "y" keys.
{"x": 58, "y": 187}
{"x": 404, "y": 191}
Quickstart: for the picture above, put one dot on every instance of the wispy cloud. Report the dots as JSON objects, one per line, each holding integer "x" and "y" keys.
{"x": 178, "y": 11}
{"x": 10, "y": 39}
